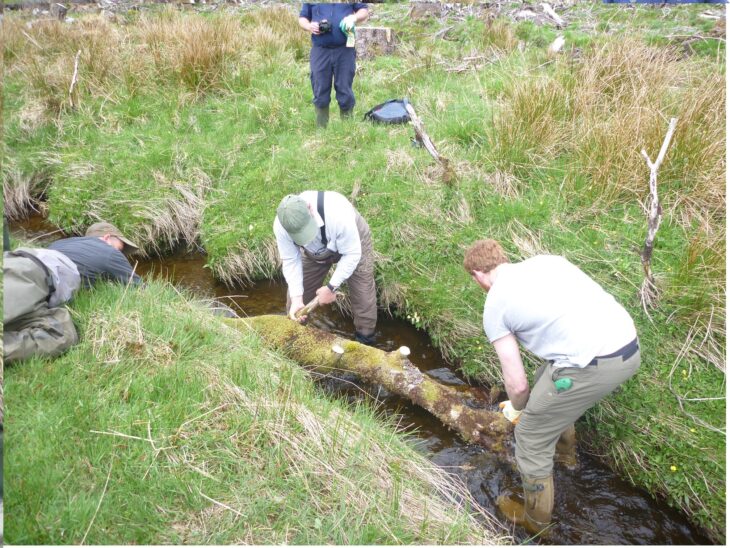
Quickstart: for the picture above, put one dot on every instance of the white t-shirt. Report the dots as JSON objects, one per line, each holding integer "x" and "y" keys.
{"x": 555, "y": 311}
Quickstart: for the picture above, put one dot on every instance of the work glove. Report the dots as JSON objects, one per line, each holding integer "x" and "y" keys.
{"x": 348, "y": 24}
{"x": 512, "y": 414}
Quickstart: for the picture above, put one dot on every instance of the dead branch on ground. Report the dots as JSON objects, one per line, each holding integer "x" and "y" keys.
{"x": 448, "y": 175}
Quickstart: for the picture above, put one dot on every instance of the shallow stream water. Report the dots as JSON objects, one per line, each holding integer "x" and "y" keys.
{"x": 593, "y": 505}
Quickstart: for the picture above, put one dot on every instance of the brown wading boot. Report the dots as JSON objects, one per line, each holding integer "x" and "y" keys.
{"x": 565, "y": 449}
{"x": 535, "y": 513}
{"x": 323, "y": 116}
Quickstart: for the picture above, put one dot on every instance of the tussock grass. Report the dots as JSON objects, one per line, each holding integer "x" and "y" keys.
{"x": 246, "y": 265}
{"x": 198, "y": 53}
{"x": 20, "y": 192}
{"x": 499, "y": 35}
{"x": 178, "y": 218}
{"x": 169, "y": 427}
{"x": 601, "y": 113}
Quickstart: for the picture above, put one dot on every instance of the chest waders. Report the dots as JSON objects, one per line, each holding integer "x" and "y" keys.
{"x": 360, "y": 284}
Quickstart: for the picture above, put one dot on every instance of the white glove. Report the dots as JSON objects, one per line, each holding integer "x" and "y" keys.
{"x": 348, "y": 23}
{"x": 512, "y": 414}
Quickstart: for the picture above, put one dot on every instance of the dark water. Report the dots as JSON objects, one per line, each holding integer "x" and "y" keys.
{"x": 592, "y": 505}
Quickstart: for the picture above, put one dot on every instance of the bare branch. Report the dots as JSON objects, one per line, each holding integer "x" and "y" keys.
{"x": 74, "y": 79}
{"x": 422, "y": 137}
{"x": 649, "y": 292}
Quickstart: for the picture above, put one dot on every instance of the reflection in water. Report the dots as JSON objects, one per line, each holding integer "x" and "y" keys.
{"x": 592, "y": 505}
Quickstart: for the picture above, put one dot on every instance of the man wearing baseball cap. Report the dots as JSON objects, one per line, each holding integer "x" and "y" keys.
{"x": 38, "y": 282}
{"x": 315, "y": 230}
{"x": 100, "y": 254}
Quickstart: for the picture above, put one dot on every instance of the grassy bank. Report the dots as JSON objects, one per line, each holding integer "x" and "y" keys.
{"x": 177, "y": 142}
{"x": 165, "y": 426}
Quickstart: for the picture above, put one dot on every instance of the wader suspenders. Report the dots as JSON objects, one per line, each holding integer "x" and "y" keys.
{"x": 320, "y": 210}
{"x": 43, "y": 267}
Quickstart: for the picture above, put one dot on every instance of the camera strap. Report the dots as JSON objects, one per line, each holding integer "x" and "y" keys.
{"x": 320, "y": 210}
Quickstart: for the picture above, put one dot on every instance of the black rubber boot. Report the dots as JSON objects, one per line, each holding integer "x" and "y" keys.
{"x": 368, "y": 340}
{"x": 345, "y": 114}
{"x": 323, "y": 116}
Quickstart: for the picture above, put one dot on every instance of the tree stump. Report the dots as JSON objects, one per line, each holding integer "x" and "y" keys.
{"x": 58, "y": 11}
{"x": 420, "y": 9}
{"x": 373, "y": 41}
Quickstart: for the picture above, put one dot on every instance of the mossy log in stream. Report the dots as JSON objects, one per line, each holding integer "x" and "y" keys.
{"x": 326, "y": 352}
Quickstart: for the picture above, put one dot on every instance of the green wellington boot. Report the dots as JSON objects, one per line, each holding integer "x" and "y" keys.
{"x": 323, "y": 116}
{"x": 345, "y": 114}
{"x": 534, "y": 514}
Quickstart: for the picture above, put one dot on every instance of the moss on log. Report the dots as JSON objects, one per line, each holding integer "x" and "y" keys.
{"x": 326, "y": 352}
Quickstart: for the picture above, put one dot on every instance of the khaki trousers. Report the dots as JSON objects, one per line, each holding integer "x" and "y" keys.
{"x": 549, "y": 412}
{"x": 360, "y": 284}
{"x": 30, "y": 327}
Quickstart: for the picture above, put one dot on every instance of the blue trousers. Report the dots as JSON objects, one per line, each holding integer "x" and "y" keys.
{"x": 326, "y": 65}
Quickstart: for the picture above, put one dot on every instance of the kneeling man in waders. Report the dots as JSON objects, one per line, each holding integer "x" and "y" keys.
{"x": 561, "y": 315}
{"x": 315, "y": 230}
{"x": 332, "y": 27}
{"x": 37, "y": 282}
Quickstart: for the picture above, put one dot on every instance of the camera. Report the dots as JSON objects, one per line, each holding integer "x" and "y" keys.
{"x": 325, "y": 26}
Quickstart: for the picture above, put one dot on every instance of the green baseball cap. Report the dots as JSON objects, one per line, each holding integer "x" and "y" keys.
{"x": 102, "y": 229}
{"x": 294, "y": 216}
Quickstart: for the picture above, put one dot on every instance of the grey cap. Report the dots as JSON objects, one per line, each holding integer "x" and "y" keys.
{"x": 294, "y": 216}
{"x": 102, "y": 229}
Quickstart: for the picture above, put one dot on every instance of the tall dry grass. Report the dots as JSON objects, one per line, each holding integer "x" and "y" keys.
{"x": 601, "y": 110}
{"x": 195, "y": 53}
{"x": 166, "y": 51}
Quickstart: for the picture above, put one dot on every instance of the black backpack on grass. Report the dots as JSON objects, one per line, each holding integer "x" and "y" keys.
{"x": 390, "y": 112}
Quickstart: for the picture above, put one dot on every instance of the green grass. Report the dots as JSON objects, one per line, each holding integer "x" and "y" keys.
{"x": 547, "y": 153}
{"x": 165, "y": 426}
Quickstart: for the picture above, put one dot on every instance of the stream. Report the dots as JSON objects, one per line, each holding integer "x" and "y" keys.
{"x": 593, "y": 505}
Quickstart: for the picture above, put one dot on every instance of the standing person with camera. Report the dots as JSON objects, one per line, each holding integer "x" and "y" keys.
{"x": 333, "y": 53}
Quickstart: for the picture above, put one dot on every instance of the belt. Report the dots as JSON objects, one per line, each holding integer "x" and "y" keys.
{"x": 625, "y": 352}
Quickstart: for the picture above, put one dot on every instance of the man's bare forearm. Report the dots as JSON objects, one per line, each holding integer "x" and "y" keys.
{"x": 362, "y": 15}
